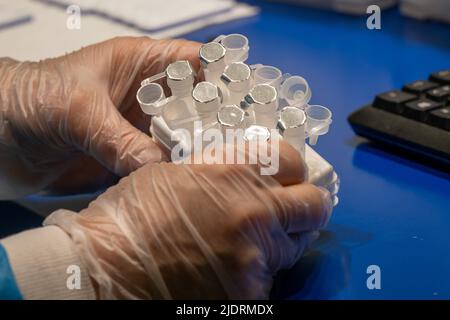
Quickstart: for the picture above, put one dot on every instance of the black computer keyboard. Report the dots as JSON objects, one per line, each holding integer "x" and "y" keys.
{"x": 415, "y": 118}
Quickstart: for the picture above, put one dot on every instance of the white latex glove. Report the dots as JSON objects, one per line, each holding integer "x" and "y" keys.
{"x": 197, "y": 231}
{"x": 65, "y": 121}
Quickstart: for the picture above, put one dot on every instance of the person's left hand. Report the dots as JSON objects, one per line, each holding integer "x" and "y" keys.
{"x": 73, "y": 122}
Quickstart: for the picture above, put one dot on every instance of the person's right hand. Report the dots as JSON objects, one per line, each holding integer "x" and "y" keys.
{"x": 197, "y": 231}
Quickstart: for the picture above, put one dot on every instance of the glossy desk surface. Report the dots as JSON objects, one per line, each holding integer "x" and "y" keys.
{"x": 394, "y": 213}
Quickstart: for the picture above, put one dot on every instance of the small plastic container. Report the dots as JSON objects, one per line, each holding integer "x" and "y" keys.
{"x": 180, "y": 78}
{"x": 151, "y": 98}
{"x": 291, "y": 125}
{"x": 295, "y": 90}
{"x": 236, "y": 46}
{"x": 262, "y": 100}
{"x": 206, "y": 101}
{"x": 231, "y": 117}
{"x": 237, "y": 80}
{"x": 318, "y": 122}
{"x": 267, "y": 75}
{"x": 212, "y": 59}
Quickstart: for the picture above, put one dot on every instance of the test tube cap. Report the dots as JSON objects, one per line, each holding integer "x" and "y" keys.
{"x": 231, "y": 116}
{"x": 212, "y": 55}
{"x": 236, "y": 76}
{"x": 296, "y": 91}
{"x": 237, "y": 47}
{"x": 180, "y": 73}
{"x": 292, "y": 121}
{"x": 268, "y": 74}
{"x": 255, "y": 132}
{"x": 149, "y": 97}
{"x": 319, "y": 120}
{"x": 263, "y": 97}
{"x": 206, "y": 97}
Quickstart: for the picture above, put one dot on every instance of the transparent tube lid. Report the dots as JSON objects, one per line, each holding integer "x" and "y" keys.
{"x": 318, "y": 121}
{"x": 151, "y": 98}
{"x": 236, "y": 76}
{"x": 295, "y": 90}
{"x": 212, "y": 56}
{"x": 236, "y": 46}
{"x": 231, "y": 116}
{"x": 206, "y": 97}
{"x": 267, "y": 75}
{"x": 263, "y": 97}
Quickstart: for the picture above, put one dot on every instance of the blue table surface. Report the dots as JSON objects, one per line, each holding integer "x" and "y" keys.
{"x": 393, "y": 212}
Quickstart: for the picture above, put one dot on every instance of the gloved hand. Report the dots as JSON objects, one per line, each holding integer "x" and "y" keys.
{"x": 64, "y": 120}
{"x": 197, "y": 231}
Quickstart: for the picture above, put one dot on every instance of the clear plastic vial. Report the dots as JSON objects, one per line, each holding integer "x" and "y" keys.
{"x": 262, "y": 100}
{"x": 292, "y": 127}
{"x": 212, "y": 59}
{"x": 237, "y": 80}
{"x": 206, "y": 101}
{"x": 180, "y": 78}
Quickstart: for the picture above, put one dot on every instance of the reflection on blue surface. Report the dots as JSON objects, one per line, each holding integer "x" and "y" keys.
{"x": 400, "y": 210}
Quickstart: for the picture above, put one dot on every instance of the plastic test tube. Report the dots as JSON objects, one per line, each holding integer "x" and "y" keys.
{"x": 263, "y": 100}
{"x": 237, "y": 80}
{"x": 268, "y": 75}
{"x": 212, "y": 58}
{"x": 292, "y": 127}
{"x": 206, "y": 101}
{"x": 295, "y": 90}
{"x": 180, "y": 113}
{"x": 236, "y": 46}
{"x": 180, "y": 78}
{"x": 318, "y": 122}
{"x": 151, "y": 98}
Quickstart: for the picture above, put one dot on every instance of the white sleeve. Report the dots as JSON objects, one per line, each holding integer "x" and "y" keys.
{"x": 47, "y": 266}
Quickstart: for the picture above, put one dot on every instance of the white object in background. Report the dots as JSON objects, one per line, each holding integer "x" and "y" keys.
{"x": 318, "y": 122}
{"x": 426, "y": 9}
{"x": 356, "y": 7}
{"x": 12, "y": 14}
{"x": 162, "y": 18}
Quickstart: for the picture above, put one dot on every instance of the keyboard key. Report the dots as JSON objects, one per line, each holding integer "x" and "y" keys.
{"x": 393, "y": 101}
{"x": 440, "y": 118}
{"x": 442, "y": 77}
{"x": 420, "y": 86}
{"x": 439, "y": 94}
{"x": 418, "y": 109}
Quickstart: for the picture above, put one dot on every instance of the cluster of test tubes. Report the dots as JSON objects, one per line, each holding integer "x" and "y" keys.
{"x": 235, "y": 95}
